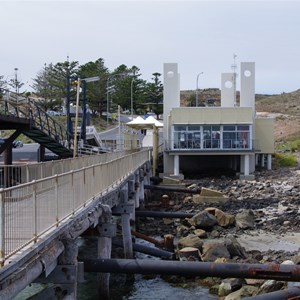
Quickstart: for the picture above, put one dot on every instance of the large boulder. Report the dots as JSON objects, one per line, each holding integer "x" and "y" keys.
{"x": 191, "y": 240}
{"x": 214, "y": 250}
{"x": 270, "y": 286}
{"x": 209, "y": 196}
{"x": 244, "y": 291}
{"x": 245, "y": 219}
{"x": 234, "y": 248}
{"x": 230, "y": 285}
{"x": 203, "y": 219}
{"x": 223, "y": 219}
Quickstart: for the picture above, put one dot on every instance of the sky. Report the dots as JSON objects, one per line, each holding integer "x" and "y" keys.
{"x": 201, "y": 36}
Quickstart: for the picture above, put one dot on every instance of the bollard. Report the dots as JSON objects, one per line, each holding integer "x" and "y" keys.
{"x": 165, "y": 200}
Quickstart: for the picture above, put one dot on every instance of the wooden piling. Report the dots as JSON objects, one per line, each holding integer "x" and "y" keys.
{"x": 104, "y": 251}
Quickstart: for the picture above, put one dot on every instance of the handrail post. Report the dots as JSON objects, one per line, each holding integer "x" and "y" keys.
{"x": 56, "y": 199}
{"x": 2, "y": 229}
{"x": 34, "y": 212}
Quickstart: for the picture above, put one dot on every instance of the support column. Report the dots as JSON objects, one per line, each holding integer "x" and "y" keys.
{"x": 137, "y": 188}
{"x": 106, "y": 231}
{"x": 125, "y": 220}
{"x": 256, "y": 159}
{"x": 262, "y": 161}
{"x": 269, "y": 164}
{"x": 67, "y": 263}
{"x": 246, "y": 164}
{"x": 155, "y": 149}
{"x": 142, "y": 191}
{"x": 242, "y": 164}
{"x": 234, "y": 163}
{"x": 176, "y": 165}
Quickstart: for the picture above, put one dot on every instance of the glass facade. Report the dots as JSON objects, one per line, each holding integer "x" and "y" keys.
{"x": 211, "y": 137}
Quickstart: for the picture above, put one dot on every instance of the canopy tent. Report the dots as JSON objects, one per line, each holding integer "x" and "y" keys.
{"x": 140, "y": 123}
{"x": 149, "y": 123}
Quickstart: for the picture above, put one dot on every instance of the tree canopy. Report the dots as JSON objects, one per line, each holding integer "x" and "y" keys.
{"x": 123, "y": 86}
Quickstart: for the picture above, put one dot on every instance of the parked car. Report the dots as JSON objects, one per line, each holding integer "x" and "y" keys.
{"x": 17, "y": 144}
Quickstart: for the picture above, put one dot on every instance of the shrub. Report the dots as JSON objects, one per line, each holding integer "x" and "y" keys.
{"x": 284, "y": 160}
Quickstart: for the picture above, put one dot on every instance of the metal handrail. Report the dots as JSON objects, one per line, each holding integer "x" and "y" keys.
{"x": 27, "y": 108}
{"x": 12, "y": 175}
{"x": 29, "y": 211}
{"x": 211, "y": 144}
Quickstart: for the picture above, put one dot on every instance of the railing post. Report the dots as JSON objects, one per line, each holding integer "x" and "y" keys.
{"x": 56, "y": 200}
{"x": 73, "y": 206}
{"x": 2, "y": 229}
{"x": 34, "y": 212}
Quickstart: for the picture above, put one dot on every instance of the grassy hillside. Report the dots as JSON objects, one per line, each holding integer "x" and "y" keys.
{"x": 285, "y": 103}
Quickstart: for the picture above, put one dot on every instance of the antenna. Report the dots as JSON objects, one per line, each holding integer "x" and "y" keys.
{"x": 234, "y": 67}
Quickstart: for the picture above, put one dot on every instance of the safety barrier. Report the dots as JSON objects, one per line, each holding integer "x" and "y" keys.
{"x": 11, "y": 175}
{"x": 29, "y": 211}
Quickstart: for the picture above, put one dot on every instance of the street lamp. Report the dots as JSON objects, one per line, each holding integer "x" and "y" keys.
{"x": 86, "y": 80}
{"x": 16, "y": 82}
{"x": 131, "y": 97}
{"x": 107, "y": 94}
{"x": 197, "y": 89}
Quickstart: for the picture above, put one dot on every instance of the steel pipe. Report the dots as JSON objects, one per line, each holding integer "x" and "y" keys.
{"x": 161, "y": 214}
{"x": 146, "y": 250}
{"x": 204, "y": 269}
{"x": 171, "y": 189}
{"x": 291, "y": 293}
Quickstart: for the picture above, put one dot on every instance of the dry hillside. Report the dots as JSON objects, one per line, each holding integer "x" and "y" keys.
{"x": 285, "y": 108}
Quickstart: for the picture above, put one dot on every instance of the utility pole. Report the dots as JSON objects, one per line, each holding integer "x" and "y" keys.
{"x": 233, "y": 67}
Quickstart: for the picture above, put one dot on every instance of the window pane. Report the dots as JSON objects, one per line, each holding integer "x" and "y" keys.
{"x": 243, "y": 128}
{"x": 229, "y": 128}
{"x": 216, "y": 128}
{"x": 179, "y": 128}
{"x": 194, "y": 128}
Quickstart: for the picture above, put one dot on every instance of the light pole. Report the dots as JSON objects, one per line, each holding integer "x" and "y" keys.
{"x": 197, "y": 89}
{"x": 131, "y": 98}
{"x": 86, "y": 80}
{"x": 16, "y": 83}
{"x": 107, "y": 94}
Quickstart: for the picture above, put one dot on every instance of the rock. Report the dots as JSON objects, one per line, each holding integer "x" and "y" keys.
{"x": 200, "y": 233}
{"x": 230, "y": 285}
{"x": 223, "y": 219}
{"x": 270, "y": 286}
{"x": 168, "y": 221}
{"x": 214, "y": 289}
{"x": 245, "y": 291}
{"x": 214, "y": 250}
{"x": 182, "y": 230}
{"x": 245, "y": 219}
{"x": 209, "y": 196}
{"x": 224, "y": 289}
{"x": 203, "y": 219}
{"x": 234, "y": 248}
{"x": 191, "y": 240}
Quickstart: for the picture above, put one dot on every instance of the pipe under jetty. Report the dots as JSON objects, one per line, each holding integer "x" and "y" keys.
{"x": 171, "y": 189}
{"x": 187, "y": 268}
{"x": 163, "y": 214}
{"x": 291, "y": 293}
{"x": 147, "y": 250}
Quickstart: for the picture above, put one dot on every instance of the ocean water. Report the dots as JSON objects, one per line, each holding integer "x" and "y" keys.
{"x": 143, "y": 287}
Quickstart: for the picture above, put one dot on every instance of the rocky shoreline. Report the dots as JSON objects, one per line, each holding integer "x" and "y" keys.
{"x": 258, "y": 222}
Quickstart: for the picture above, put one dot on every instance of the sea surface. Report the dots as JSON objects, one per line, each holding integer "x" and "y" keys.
{"x": 143, "y": 287}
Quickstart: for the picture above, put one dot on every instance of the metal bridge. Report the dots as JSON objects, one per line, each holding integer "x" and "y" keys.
{"x": 27, "y": 118}
{"x": 45, "y": 207}
{"x": 54, "y": 203}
